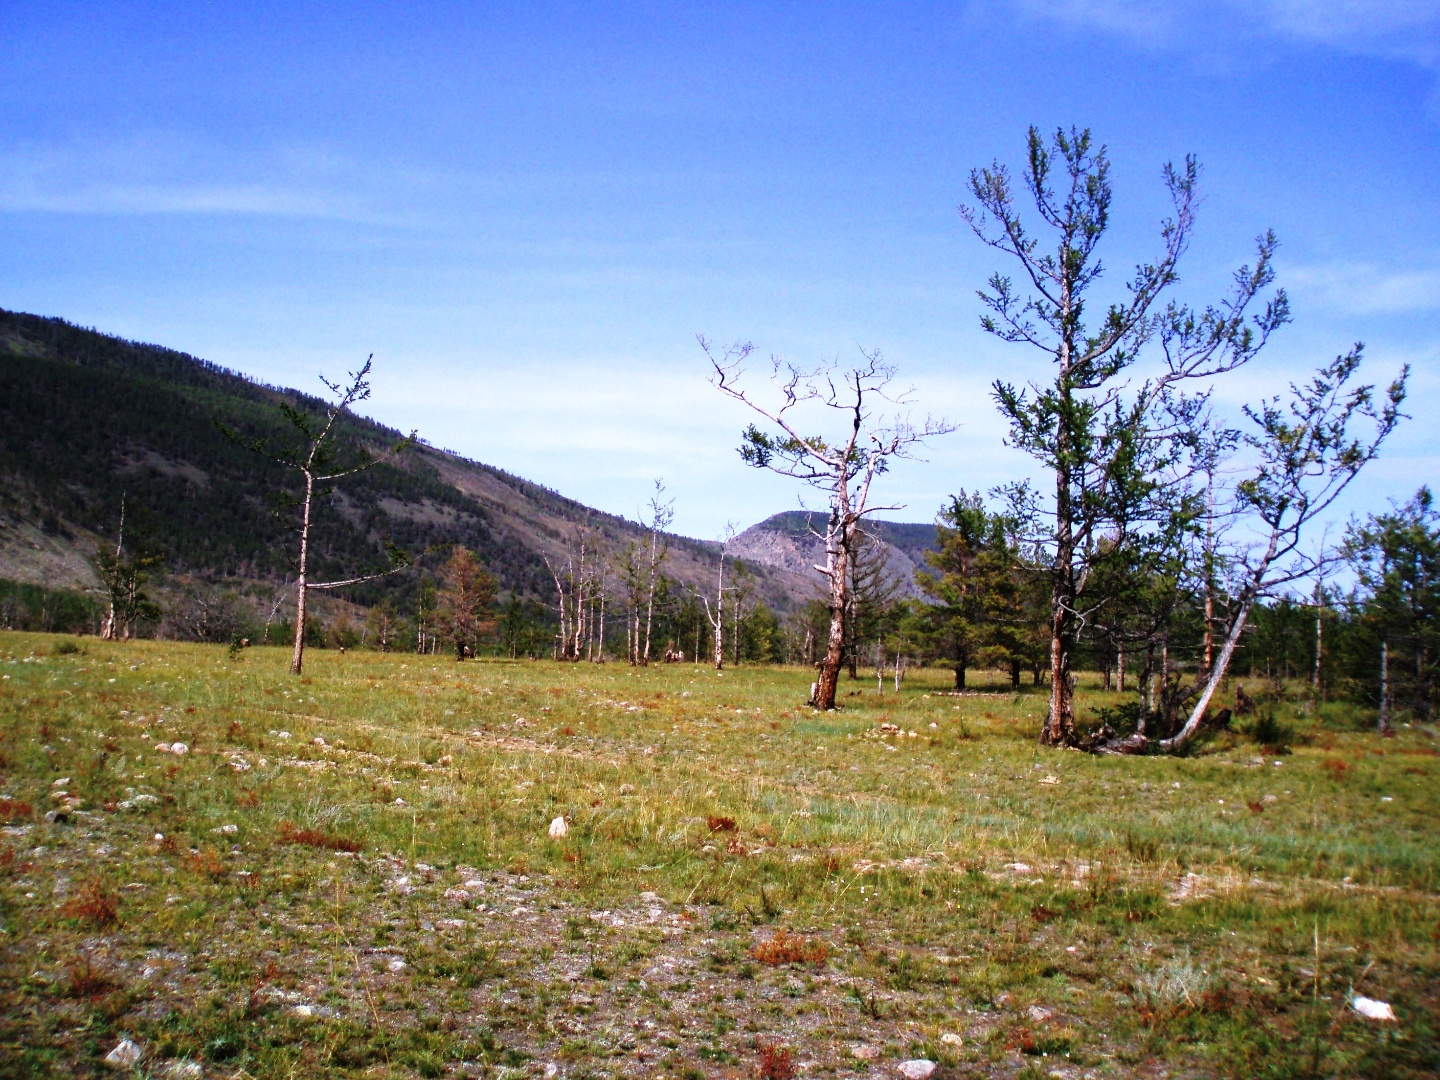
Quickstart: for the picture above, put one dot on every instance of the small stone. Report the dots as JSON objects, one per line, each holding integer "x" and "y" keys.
{"x": 318, "y": 741}
{"x": 227, "y": 830}
{"x": 627, "y": 789}
{"x": 558, "y": 829}
{"x": 1049, "y": 780}
{"x": 951, "y": 1039}
{"x": 1039, "y": 1013}
{"x": 179, "y": 749}
{"x": 864, "y": 1052}
{"x": 1372, "y": 1009}
{"x": 159, "y": 837}
{"x": 64, "y": 781}
{"x": 303, "y": 1011}
{"x": 399, "y": 802}
{"x": 184, "y": 1070}
{"x": 916, "y": 1069}
{"x": 551, "y": 1070}
{"x": 396, "y": 966}
{"x": 162, "y": 747}
{"x": 125, "y": 1055}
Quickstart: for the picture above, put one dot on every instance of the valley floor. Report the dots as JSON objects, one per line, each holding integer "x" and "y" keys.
{"x": 354, "y": 873}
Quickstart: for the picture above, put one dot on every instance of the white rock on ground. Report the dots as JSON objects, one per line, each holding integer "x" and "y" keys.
{"x": 558, "y": 829}
{"x": 184, "y": 1070}
{"x": 125, "y": 1055}
{"x": 951, "y": 1039}
{"x": 1372, "y": 1009}
{"x": 916, "y": 1069}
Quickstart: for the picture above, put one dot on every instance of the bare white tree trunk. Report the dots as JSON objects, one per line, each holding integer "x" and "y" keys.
{"x": 297, "y": 656}
{"x": 1383, "y": 724}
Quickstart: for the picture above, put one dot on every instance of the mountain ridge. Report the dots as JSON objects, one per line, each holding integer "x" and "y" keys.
{"x": 88, "y": 419}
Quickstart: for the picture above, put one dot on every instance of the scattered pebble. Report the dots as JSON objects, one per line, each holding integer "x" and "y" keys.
{"x": 1372, "y": 1009}
{"x": 1039, "y": 1013}
{"x": 916, "y": 1069}
{"x": 951, "y": 1039}
{"x": 184, "y": 1070}
{"x": 558, "y": 829}
{"x": 864, "y": 1052}
{"x": 125, "y": 1055}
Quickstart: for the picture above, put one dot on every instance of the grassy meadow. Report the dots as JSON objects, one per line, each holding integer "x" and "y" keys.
{"x": 353, "y": 874}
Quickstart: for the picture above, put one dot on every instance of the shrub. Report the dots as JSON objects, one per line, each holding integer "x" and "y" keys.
{"x": 1273, "y": 736}
{"x": 785, "y": 948}
{"x": 87, "y": 982}
{"x": 719, "y": 823}
{"x": 95, "y": 905}
{"x": 776, "y": 1062}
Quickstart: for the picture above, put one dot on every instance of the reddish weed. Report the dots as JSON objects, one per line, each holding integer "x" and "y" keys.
{"x": 776, "y": 1062}
{"x": 86, "y": 982}
{"x": 289, "y": 834}
{"x": 719, "y": 823}
{"x": 15, "y": 810}
{"x": 787, "y": 948}
{"x": 1335, "y": 767}
{"x": 206, "y": 863}
{"x": 1256, "y": 807}
{"x": 94, "y": 904}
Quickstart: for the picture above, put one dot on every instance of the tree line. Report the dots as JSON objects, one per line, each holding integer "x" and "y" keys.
{"x": 1159, "y": 542}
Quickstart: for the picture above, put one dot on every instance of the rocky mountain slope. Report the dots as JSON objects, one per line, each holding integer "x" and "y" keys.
{"x": 785, "y": 542}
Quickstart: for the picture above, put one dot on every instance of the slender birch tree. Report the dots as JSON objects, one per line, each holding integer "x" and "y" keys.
{"x": 844, "y": 466}
{"x": 662, "y": 513}
{"x": 316, "y": 456}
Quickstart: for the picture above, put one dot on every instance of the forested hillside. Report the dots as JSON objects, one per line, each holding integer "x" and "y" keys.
{"x": 88, "y": 420}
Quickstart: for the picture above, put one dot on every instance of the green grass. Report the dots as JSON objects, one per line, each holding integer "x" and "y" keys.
{"x": 1056, "y": 911}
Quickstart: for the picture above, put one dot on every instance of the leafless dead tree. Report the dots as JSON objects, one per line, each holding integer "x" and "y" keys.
{"x": 843, "y": 467}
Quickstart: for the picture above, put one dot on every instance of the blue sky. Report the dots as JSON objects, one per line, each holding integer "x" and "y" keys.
{"x": 527, "y": 213}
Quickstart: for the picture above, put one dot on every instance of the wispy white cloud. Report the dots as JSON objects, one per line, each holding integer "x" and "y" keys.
{"x": 162, "y": 175}
{"x": 1399, "y": 29}
{"x": 1365, "y": 289}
